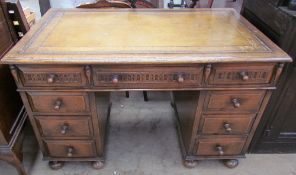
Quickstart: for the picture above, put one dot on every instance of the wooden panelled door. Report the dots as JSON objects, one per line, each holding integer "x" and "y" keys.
{"x": 277, "y": 131}
{"x": 6, "y": 40}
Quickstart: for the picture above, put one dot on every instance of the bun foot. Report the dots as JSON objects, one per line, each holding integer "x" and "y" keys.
{"x": 231, "y": 163}
{"x": 55, "y": 165}
{"x": 98, "y": 165}
{"x": 190, "y": 163}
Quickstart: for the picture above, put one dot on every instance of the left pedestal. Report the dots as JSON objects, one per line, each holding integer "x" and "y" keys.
{"x": 69, "y": 124}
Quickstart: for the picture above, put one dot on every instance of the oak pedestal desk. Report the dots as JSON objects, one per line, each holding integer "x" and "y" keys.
{"x": 221, "y": 71}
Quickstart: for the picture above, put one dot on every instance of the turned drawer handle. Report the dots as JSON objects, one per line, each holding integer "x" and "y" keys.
{"x": 236, "y": 103}
{"x": 180, "y": 78}
{"x": 51, "y": 78}
{"x": 70, "y": 151}
{"x": 115, "y": 79}
{"x": 57, "y": 105}
{"x": 64, "y": 128}
{"x": 244, "y": 76}
{"x": 227, "y": 127}
{"x": 220, "y": 150}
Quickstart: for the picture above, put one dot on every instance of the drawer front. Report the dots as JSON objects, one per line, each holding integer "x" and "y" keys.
{"x": 226, "y": 124}
{"x": 52, "y": 76}
{"x": 241, "y": 74}
{"x": 234, "y": 101}
{"x": 58, "y": 102}
{"x": 220, "y": 146}
{"x": 65, "y": 126}
{"x": 148, "y": 77}
{"x": 70, "y": 149}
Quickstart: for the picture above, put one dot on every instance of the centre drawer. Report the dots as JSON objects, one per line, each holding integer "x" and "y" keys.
{"x": 148, "y": 77}
{"x": 65, "y": 126}
{"x": 227, "y": 124}
{"x": 220, "y": 146}
{"x": 70, "y": 148}
{"x": 58, "y": 102}
{"x": 243, "y": 101}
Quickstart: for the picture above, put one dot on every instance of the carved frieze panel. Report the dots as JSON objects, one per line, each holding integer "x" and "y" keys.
{"x": 241, "y": 75}
{"x": 160, "y": 78}
{"x": 52, "y": 76}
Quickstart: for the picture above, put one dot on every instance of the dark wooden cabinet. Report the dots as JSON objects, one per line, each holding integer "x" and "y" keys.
{"x": 12, "y": 113}
{"x": 7, "y": 107}
{"x": 277, "y": 131}
{"x": 7, "y": 37}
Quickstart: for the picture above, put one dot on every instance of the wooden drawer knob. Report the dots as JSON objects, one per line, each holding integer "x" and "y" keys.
{"x": 236, "y": 103}
{"x": 244, "y": 76}
{"x": 51, "y": 78}
{"x": 70, "y": 150}
{"x": 180, "y": 78}
{"x": 64, "y": 128}
{"x": 115, "y": 79}
{"x": 58, "y": 104}
{"x": 220, "y": 150}
{"x": 227, "y": 127}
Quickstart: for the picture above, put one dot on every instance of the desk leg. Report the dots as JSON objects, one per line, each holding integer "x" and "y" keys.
{"x": 190, "y": 163}
{"x": 231, "y": 163}
{"x": 98, "y": 165}
{"x": 55, "y": 165}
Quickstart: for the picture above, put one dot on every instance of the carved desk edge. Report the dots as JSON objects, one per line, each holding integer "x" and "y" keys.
{"x": 18, "y": 56}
